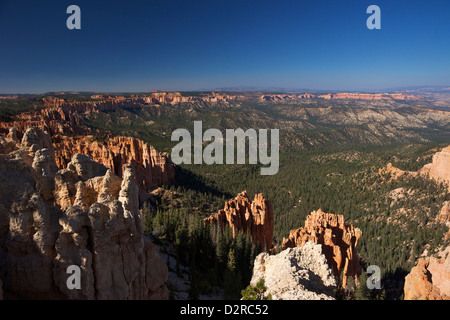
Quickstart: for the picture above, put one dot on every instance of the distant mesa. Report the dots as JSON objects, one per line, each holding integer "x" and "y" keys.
{"x": 339, "y": 96}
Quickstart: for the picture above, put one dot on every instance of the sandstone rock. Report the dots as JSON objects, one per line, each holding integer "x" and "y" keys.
{"x": 296, "y": 274}
{"x": 254, "y": 217}
{"x": 439, "y": 168}
{"x": 12, "y": 135}
{"x": 152, "y": 168}
{"x": 90, "y": 219}
{"x": 429, "y": 279}
{"x": 395, "y": 172}
{"x": 339, "y": 242}
{"x": 33, "y": 137}
{"x": 444, "y": 217}
{"x": 85, "y": 168}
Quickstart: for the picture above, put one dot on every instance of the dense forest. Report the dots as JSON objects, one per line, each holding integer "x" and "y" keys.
{"x": 396, "y": 229}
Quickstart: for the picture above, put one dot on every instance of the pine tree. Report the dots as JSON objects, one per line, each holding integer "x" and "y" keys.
{"x": 257, "y": 292}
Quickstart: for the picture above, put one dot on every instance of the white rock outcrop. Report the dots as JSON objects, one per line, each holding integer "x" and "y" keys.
{"x": 296, "y": 274}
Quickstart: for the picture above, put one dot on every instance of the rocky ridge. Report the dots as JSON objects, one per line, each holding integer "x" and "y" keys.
{"x": 339, "y": 242}
{"x": 439, "y": 168}
{"x": 241, "y": 215}
{"x": 339, "y": 96}
{"x": 296, "y": 274}
{"x": 83, "y": 215}
{"x": 429, "y": 279}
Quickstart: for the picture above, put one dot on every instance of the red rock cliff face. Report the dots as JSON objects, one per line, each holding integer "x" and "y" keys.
{"x": 152, "y": 168}
{"x": 254, "y": 217}
{"x": 339, "y": 242}
{"x": 429, "y": 279}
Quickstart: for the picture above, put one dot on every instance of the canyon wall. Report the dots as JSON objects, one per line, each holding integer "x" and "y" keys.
{"x": 84, "y": 216}
{"x": 152, "y": 168}
{"x": 339, "y": 242}
{"x": 241, "y": 215}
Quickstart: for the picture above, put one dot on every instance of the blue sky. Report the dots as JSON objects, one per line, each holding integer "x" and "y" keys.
{"x": 145, "y": 45}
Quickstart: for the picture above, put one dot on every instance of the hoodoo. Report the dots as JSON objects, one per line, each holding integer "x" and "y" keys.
{"x": 254, "y": 217}
{"x": 339, "y": 242}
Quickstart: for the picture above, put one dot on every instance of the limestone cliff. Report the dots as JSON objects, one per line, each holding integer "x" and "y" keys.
{"x": 84, "y": 215}
{"x": 254, "y": 217}
{"x": 296, "y": 274}
{"x": 339, "y": 242}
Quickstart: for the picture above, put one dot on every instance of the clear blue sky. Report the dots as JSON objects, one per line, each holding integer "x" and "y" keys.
{"x": 186, "y": 45}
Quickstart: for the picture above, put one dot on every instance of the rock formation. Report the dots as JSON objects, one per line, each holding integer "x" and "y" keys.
{"x": 153, "y": 169}
{"x": 444, "y": 218}
{"x": 429, "y": 279}
{"x": 439, "y": 168}
{"x": 254, "y": 217}
{"x": 296, "y": 274}
{"x": 61, "y": 118}
{"x": 339, "y": 242}
{"x": 82, "y": 216}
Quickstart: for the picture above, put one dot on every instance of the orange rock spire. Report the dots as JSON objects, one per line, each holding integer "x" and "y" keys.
{"x": 338, "y": 242}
